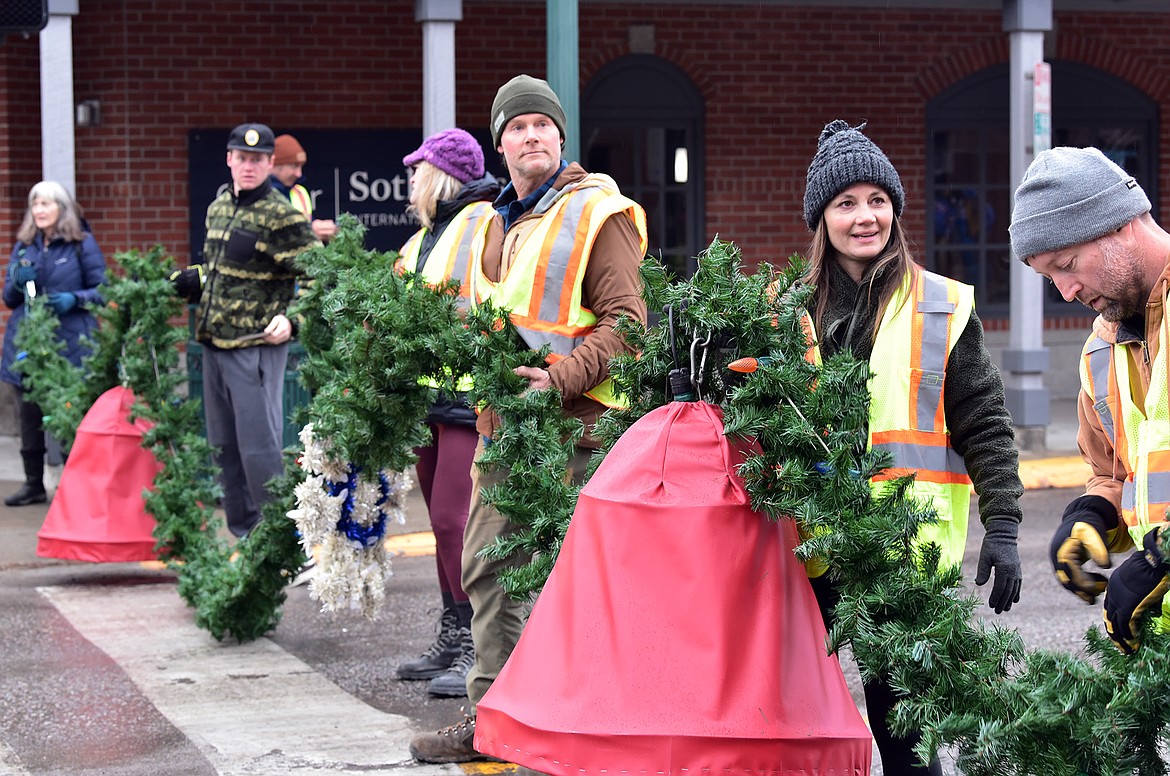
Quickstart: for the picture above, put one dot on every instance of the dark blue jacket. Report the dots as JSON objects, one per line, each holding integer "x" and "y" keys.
{"x": 79, "y": 267}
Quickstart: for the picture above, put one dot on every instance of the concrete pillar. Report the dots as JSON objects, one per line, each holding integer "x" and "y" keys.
{"x": 1026, "y": 359}
{"x": 57, "y": 100}
{"x": 564, "y": 70}
{"x": 438, "y": 18}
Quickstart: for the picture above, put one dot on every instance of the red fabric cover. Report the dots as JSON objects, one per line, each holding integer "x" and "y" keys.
{"x": 97, "y": 513}
{"x": 677, "y": 632}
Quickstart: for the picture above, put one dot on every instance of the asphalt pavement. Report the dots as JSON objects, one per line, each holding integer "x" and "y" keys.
{"x": 103, "y": 672}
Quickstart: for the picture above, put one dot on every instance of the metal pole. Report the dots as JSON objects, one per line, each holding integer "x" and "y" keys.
{"x": 438, "y": 18}
{"x": 564, "y": 70}
{"x": 1026, "y": 359}
{"x": 58, "y": 141}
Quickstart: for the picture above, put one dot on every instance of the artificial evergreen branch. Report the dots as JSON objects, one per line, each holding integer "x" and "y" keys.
{"x": 49, "y": 378}
{"x": 533, "y": 443}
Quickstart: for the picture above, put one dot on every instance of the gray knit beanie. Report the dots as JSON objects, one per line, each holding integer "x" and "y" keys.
{"x": 845, "y": 157}
{"x": 524, "y": 94}
{"x": 1071, "y": 196}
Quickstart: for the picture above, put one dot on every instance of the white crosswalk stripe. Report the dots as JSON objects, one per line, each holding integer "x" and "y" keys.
{"x": 251, "y": 709}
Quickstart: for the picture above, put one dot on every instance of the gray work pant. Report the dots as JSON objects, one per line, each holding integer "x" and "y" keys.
{"x": 496, "y": 617}
{"x": 243, "y": 400}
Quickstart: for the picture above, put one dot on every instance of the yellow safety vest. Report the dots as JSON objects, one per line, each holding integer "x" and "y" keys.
{"x": 906, "y": 411}
{"x": 450, "y": 259}
{"x": 543, "y": 286}
{"x": 301, "y": 199}
{"x": 1140, "y": 432}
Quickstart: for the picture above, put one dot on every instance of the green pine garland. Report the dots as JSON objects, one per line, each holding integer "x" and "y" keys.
{"x": 968, "y": 684}
{"x": 534, "y": 443}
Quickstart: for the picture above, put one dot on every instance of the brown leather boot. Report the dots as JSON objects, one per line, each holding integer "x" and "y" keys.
{"x": 453, "y": 744}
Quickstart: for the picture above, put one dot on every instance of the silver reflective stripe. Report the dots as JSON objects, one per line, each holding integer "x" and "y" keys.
{"x": 1100, "y": 355}
{"x": 559, "y": 255}
{"x": 1158, "y": 496}
{"x": 936, "y": 310}
{"x": 463, "y": 251}
{"x": 1128, "y": 497}
{"x": 557, "y": 343}
{"x": 924, "y": 457}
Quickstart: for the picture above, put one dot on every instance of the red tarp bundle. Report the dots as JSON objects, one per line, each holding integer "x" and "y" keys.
{"x": 97, "y": 513}
{"x": 677, "y": 632}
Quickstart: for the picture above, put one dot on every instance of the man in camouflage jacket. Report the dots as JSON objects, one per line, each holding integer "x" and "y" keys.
{"x": 243, "y": 287}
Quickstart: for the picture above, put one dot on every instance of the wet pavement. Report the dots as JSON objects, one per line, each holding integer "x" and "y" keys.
{"x": 103, "y": 672}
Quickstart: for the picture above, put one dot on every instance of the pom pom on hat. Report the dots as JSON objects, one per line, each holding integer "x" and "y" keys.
{"x": 454, "y": 151}
{"x": 1071, "y": 196}
{"x": 844, "y": 157}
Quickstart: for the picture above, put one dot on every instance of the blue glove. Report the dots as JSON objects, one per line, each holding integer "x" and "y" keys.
{"x": 24, "y": 272}
{"x": 63, "y": 301}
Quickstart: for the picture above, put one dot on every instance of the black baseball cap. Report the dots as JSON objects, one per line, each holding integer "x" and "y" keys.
{"x": 252, "y": 137}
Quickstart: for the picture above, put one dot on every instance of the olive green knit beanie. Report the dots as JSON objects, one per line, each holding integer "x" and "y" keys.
{"x": 524, "y": 94}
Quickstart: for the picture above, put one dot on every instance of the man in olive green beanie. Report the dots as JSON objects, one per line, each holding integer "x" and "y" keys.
{"x": 562, "y": 256}
{"x": 525, "y": 94}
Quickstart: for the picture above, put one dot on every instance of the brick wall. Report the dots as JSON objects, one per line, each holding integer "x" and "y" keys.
{"x": 771, "y": 77}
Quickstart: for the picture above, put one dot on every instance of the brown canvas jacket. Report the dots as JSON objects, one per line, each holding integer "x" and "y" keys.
{"x": 1109, "y": 470}
{"x": 611, "y": 288}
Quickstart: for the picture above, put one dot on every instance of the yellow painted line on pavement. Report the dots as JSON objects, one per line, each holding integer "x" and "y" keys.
{"x": 411, "y": 545}
{"x": 1066, "y": 472}
{"x": 488, "y": 769}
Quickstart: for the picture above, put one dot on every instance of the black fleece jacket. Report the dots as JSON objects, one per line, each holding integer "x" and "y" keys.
{"x": 973, "y": 396}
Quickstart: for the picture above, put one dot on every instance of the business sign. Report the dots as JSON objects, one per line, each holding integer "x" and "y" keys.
{"x": 357, "y": 171}
{"x": 1041, "y": 107}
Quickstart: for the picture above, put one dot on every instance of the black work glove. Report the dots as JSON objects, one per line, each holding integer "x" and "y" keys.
{"x": 188, "y": 282}
{"x": 1081, "y": 536}
{"x": 999, "y": 552}
{"x": 1137, "y": 586}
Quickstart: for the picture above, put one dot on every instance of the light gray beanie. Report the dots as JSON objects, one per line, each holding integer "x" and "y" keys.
{"x": 1071, "y": 196}
{"x": 844, "y": 157}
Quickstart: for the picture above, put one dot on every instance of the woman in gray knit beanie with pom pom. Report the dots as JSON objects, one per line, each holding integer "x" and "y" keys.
{"x": 936, "y": 400}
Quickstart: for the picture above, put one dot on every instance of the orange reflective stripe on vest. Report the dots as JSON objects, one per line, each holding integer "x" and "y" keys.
{"x": 925, "y": 449}
{"x": 301, "y": 199}
{"x": 450, "y": 257}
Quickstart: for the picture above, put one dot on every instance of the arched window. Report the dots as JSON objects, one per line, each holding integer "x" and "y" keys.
{"x": 642, "y": 123}
{"x": 968, "y": 164}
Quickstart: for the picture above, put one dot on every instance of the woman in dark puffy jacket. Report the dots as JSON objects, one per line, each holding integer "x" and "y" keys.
{"x": 451, "y": 195}
{"x": 55, "y": 257}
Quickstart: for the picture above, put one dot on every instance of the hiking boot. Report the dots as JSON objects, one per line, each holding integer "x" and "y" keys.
{"x": 438, "y": 656}
{"x": 30, "y": 493}
{"x": 452, "y": 683}
{"x": 452, "y": 744}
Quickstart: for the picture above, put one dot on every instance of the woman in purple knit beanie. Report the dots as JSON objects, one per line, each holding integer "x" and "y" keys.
{"x": 451, "y": 196}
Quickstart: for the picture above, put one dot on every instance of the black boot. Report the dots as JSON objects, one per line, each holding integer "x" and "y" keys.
{"x": 439, "y": 656}
{"x": 452, "y": 683}
{"x": 30, "y": 493}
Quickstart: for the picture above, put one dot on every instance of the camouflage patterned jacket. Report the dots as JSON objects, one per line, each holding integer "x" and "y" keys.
{"x": 248, "y": 262}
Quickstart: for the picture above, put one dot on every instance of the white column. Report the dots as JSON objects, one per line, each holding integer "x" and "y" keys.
{"x": 1026, "y": 359}
{"x": 438, "y": 18}
{"x": 57, "y": 142}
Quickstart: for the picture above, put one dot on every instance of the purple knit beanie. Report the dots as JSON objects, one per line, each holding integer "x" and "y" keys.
{"x": 453, "y": 151}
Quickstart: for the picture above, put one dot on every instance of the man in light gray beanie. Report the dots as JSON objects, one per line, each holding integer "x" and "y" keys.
{"x": 1071, "y": 196}
{"x": 1085, "y": 224}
